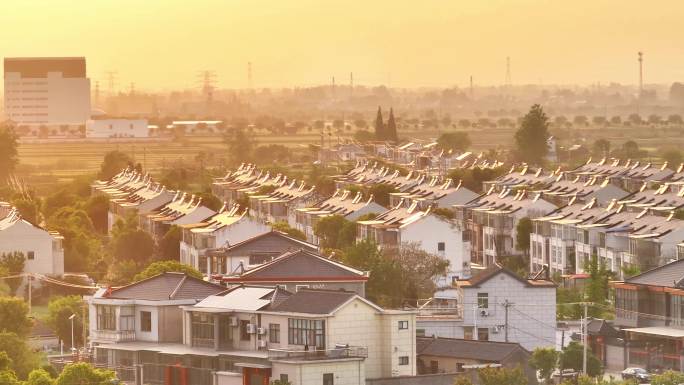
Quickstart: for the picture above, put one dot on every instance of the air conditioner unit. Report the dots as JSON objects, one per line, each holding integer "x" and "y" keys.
{"x": 261, "y": 331}
{"x": 251, "y": 328}
{"x": 233, "y": 321}
{"x": 484, "y": 312}
{"x": 261, "y": 343}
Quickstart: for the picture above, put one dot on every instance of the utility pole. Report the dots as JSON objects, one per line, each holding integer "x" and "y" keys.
{"x": 471, "y": 87}
{"x": 506, "y": 305}
{"x": 584, "y": 339}
{"x": 475, "y": 333}
{"x": 641, "y": 81}
{"x": 30, "y": 277}
{"x": 249, "y": 75}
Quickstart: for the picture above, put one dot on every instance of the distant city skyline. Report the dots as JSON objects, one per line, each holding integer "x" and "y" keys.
{"x": 162, "y": 45}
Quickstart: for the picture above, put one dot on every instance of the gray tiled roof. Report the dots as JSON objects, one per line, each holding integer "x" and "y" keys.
{"x": 271, "y": 242}
{"x": 670, "y": 275}
{"x": 302, "y": 264}
{"x": 167, "y": 286}
{"x": 488, "y": 351}
{"x": 310, "y": 301}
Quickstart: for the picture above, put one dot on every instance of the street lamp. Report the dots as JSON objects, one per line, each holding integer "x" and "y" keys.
{"x": 71, "y": 318}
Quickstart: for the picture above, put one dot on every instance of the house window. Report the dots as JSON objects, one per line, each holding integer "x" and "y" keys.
{"x": 274, "y": 333}
{"x": 483, "y": 300}
{"x": 403, "y": 325}
{"x": 403, "y": 360}
{"x": 106, "y": 318}
{"x": 30, "y": 255}
{"x": 301, "y": 287}
{"x": 244, "y": 334}
{"x": 145, "y": 321}
{"x": 306, "y": 332}
{"x": 440, "y": 246}
{"x": 434, "y": 366}
{"x": 202, "y": 330}
{"x": 483, "y": 334}
{"x": 328, "y": 379}
{"x": 467, "y": 332}
{"x": 126, "y": 318}
{"x": 284, "y": 379}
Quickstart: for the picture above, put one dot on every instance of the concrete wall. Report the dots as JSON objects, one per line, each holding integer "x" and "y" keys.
{"x": 117, "y": 128}
{"x": 347, "y": 372}
{"x": 427, "y": 379}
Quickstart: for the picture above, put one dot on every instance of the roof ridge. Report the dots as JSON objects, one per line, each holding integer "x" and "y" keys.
{"x": 178, "y": 286}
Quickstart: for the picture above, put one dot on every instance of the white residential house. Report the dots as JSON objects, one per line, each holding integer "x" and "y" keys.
{"x": 407, "y": 223}
{"x": 182, "y": 210}
{"x": 228, "y": 227}
{"x": 247, "y": 335}
{"x": 281, "y": 204}
{"x": 117, "y": 128}
{"x": 42, "y": 249}
{"x": 435, "y": 192}
{"x": 495, "y": 305}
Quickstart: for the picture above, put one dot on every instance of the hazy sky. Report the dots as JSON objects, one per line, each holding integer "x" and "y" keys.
{"x": 162, "y": 44}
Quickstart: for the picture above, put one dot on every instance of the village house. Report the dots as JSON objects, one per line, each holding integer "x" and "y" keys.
{"x": 435, "y": 192}
{"x": 227, "y": 227}
{"x": 248, "y": 334}
{"x": 435, "y": 234}
{"x": 281, "y": 204}
{"x": 182, "y": 210}
{"x": 494, "y": 305}
{"x": 297, "y": 269}
{"x": 42, "y": 249}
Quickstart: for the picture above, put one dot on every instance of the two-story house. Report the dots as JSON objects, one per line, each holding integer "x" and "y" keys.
{"x": 407, "y": 223}
{"x": 42, "y": 249}
{"x": 649, "y": 308}
{"x": 497, "y": 305}
{"x": 228, "y": 227}
{"x": 252, "y": 335}
{"x": 281, "y": 204}
{"x": 182, "y": 210}
{"x": 436, "y": 192}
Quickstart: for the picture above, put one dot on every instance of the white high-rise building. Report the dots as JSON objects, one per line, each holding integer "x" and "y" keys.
{"x": 47, "y": 91}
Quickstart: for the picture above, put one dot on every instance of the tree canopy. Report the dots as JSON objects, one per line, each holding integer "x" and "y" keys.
{"x": 159, "y": 267}
{"x": 59, "y": 311}
{"x": 14, "y": 316}
{"x": 9, "y": 154}
{"x": 113, "y": 163}
{"x": 454, "y": 141}
{"x": 531, "y": 138}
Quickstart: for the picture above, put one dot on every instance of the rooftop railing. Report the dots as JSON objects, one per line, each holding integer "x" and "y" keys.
{"x": 315, "y": 355}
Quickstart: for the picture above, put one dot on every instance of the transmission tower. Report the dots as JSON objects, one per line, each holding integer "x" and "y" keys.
{"x": 351, "y": 84}
{"x": 111, "y": 81}
{"x": 207, "y": 80}
{"x": 508, "y": 72}
{"x": 641, "y": 73}
{"x": 249, "y": 75}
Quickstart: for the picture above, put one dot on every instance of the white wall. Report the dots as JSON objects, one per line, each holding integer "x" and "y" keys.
{"x": 117, "y": 128}
{"x": 24, "y": 237}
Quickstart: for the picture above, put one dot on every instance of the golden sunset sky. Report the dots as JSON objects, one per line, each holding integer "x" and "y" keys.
{"x": 162, "y": 44}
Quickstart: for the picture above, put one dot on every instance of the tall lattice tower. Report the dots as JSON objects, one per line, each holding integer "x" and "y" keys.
{"x": 641, "y": 73}
{"x": 207, "y": 80}
{"x": 508, "y": 72}
{"x": 250, "y": 83}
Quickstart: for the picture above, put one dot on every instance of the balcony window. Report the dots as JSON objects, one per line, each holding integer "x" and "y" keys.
{"x": 126, "y": 318}
{"x": 145, "y": 321}
{"x": 106, "y": 317}
{"x": 403, "y": 325}
{"x": 274, "y": 333}
{"x": 328, "y": 379}
{"x": 306, "y": 332}
{"x": 403, "y": 360}
{"x": 202, "y": 330}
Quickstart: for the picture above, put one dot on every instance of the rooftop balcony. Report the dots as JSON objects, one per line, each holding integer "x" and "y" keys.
{"x": 113, "y": 335}
{"x": 318, "y": 355}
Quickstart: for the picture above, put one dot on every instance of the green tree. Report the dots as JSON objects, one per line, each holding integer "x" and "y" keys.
{"x": 284, "y": 227}
{"x": 571, "y": 358}
{"x": 9, "y": 154}
{"x": 14, "y": 316}
{"x": 13, "y": 262}
{"x": 454, "y": 141}
{"x": 119, "y": 273}
{"x": 502, "y": 376}
{"x": 673, "y": 157}
{"x": 169, "y": 245}
{"x": 601, "y": 148}
{"x": 330, "y": 231}
{"x": 160, "y": 267}
{"x": 531, "y": 137}
{"x": 380, "y": 132}
{"x": 39, "y": 377}
{"x": 522, "y": 235}
{"x": 29, "y": 209}
{"x": 391, "y": 128}
{"x": 364, "y": 136}
{"x": 209, "y": 200}
{"x": 113, "y": 163}
{"x": 84, "y": 373}
{"x": 381, "y": 193}
{"x": 597, "y": 287}
{"x": 24, "y": 359}
{"x": 97, "y": 208}
{"x": 668, "y": 378}
{"x": 240, "y": 146}
{"x": 135, "y": 245}
{"x": 631, "y": 149}
{"x": 544, "y": 360}
{"x": 59, "y": 311}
